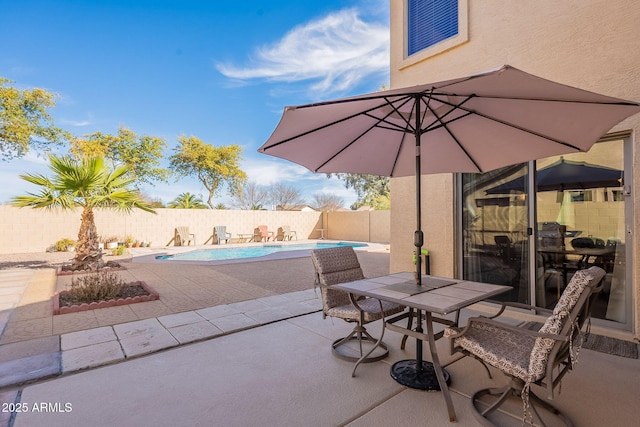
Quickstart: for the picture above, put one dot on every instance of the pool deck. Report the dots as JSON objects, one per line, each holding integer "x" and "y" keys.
{"x": 198, "y": 301}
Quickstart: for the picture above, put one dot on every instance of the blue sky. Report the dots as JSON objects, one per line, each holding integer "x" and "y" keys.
{"x": 221, "y": 71}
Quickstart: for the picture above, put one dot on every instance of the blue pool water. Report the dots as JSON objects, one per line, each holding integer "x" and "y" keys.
{"x": 250, "y": 251}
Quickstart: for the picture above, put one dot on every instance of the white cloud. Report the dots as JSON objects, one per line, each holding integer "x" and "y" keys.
{"x": 267, "y": 171}
{"x": 76, "y": 123}
{"x": 337, "y": 52}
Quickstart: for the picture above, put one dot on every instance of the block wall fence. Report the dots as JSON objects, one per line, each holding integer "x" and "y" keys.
{"x": 24, "y": 230}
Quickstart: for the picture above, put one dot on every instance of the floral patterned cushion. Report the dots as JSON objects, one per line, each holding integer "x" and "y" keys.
{"x": 507, "y": 350}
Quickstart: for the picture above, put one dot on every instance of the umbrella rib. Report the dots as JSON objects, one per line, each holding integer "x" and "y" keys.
{"x": 502, "y": 122}
{"x": 326, "y": 125}
{"x": 361, "y": 135}
{"x": 567, "y": 101}
{"x": 395, "y": 161}
{"x": 444, "y": 125}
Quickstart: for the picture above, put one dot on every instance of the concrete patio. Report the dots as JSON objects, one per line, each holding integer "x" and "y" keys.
{"x": 259, "y": 356}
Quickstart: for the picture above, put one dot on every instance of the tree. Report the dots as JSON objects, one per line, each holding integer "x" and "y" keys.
{"x": 187, "y": 201}
{"x": 371, "y": 190}
{"x": 89, "y": 184}
{"x": 142, "y": 154}
{"x": 285, "y": 197}
{"x": 251, "y": 196}
{"x": 154, "y": 202}
{"x": 327, "y": 202}
{"x": 213, "y": 166}
{"x": 25, "y": 122}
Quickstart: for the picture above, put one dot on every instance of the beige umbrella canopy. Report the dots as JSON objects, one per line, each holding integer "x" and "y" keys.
{"x": 470, "y": 124}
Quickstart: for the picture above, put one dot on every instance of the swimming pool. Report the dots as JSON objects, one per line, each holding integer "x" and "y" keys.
{"x": 243, "y": 253}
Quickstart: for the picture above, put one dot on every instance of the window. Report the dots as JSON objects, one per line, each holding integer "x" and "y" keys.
{"x": 430, "y": 22}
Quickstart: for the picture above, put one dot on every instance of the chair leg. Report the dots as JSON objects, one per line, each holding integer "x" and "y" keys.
{"x": 360, "y": 335}
{"x": 513, "y": 390}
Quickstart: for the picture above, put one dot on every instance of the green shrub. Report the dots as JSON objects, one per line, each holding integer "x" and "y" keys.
{"x": 63, "y": 245}
{"x": 120, "y": 250}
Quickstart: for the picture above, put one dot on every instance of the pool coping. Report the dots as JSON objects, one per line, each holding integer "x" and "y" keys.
{"x": 301, "y": 253}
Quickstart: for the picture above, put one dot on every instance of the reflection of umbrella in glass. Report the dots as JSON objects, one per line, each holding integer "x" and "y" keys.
{"x": 471, "y": 124}
{"x": 566, "y": 175}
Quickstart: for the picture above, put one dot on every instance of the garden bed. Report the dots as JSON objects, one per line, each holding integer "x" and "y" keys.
{"x": 131, "y": 293}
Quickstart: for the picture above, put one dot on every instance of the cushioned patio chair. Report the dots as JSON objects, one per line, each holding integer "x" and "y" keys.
{"x": 540, "y": 357}
{"x": 220, "y": 232}
{"x": 339, "y": 265}
{"x": 182, "y": 237}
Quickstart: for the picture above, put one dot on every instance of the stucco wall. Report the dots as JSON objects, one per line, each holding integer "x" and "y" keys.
{"x": 591, "y": 44}
{"x": 34, "y": 230}
{"x": 367, "y": 226}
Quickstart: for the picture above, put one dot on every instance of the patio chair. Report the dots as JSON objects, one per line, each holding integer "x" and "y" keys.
{"x": 183, "y": 236}
{"x": 528, "y": 356}
{"x": 288, "y": 233}
{"x": 262, "y": 234}
{"x": 220, "y": 232}
{"x": 285, "y": 233}
{"x": 503, "y": 244}
{"x": 339, "y": 265}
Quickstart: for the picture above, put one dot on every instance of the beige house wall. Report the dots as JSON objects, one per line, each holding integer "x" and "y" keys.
{"x": 24, "y": 230}
{"x": 591, "y": 44}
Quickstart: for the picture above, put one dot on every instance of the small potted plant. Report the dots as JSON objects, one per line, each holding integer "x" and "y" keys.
{"x": 128, "y": 241}
{"x": 111, "y": 242}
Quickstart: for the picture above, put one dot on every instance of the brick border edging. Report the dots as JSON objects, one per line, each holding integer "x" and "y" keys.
{"x": 153, "y": 295}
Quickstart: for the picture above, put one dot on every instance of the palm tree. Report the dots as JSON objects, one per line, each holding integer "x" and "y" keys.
{"x": 187, "y": 201}
{"x": 87, "y": 183}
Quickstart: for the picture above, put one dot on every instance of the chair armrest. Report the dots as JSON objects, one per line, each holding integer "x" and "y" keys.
{"x": 352, "y": 297}
{"x": 519, "y": 329}
{"x": 537, "y": 310}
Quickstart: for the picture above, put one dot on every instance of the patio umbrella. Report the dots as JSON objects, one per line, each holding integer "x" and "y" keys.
{"x": 566, "y": 175}
{"x": 470, "y": 124}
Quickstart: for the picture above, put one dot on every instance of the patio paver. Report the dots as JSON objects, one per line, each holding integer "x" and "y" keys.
{"x": 194, "y": 332}
{"x": 92, "y": 356}
{"x": 143, "y": 337}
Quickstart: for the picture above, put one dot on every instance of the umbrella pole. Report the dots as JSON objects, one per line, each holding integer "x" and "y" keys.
{"x": 417, "y": 373}
{"x": 418, "y": 236}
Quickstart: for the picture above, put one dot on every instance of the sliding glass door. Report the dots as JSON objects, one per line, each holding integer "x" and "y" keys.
{"x": 495, "y": 241}
{"x": 532, "y": 226}
{"x": 580, "y": 209}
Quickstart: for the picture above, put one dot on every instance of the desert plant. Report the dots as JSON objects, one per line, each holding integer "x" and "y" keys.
{"x": 104, "y": 285}
{"x": 187, "y": 201}
{"x": 110, "y": 239}
{"x": 89, "y": 184}
{"x": 120, "y": 250}
{"x": 63, "y": 245}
